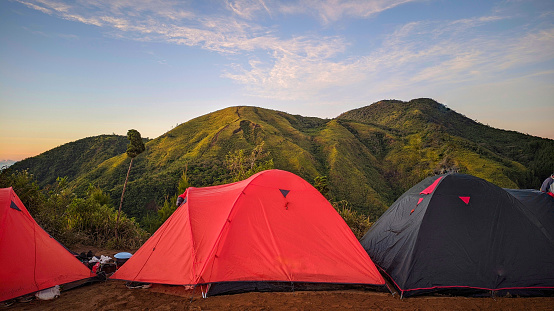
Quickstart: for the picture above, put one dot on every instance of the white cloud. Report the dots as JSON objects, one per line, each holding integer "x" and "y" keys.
{"x": 308, "y": 66}
{"x": 118, "y": 23}
{"x": 247, "y": 8}
{"x": 84, "y": 20}
{"x": 333, "y": 10}
{"x": 37, "y": 7}
{"x": 299, "y": 69}
{"x": 533, "y": 47}
{"x": 168, "y": 21}
{"x": 55, "y": 5}
{"x": 453, "y": 52}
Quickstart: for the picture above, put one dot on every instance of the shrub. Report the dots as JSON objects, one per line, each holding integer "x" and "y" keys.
{"x": 73, "y": 220}
{"x": 358, "y": 223}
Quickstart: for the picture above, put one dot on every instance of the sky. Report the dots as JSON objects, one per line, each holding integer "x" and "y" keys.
{"x": 81, "y": 68}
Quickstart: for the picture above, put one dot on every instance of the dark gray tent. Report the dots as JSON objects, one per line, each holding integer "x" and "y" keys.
{"x": 460, "y": 234}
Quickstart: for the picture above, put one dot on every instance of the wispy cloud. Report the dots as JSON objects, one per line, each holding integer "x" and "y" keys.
{"x": 532, "y": 47}
{"x": 307, "y": 66}
{"x": 248, "y": 9}
{"x": 296, "y": 72}
{"x": 156, "y": 58}
{"x": 37, "y": 7}
{"x": 333, "y": 10}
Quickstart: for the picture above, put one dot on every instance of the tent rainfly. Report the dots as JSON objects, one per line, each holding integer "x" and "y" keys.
{"x": 270, "y": 230}
{"x": 30, "y": 258}
{"x": 460, "y": 234}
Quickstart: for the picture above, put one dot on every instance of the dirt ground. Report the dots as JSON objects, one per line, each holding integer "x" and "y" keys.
{"x": 114, "y": 295}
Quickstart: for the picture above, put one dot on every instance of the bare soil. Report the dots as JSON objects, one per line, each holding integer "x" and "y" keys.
{"x": 114, "y": 295}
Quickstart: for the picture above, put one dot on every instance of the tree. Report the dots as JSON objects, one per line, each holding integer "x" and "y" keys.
{"x": 135, "y": 147}
{"x": 184, "y": 182}
{"x": 358, "y": 223}
{"x": 151, "y": 222}
{"x": 243, "y": 166}
{"x": 320, "y": 183}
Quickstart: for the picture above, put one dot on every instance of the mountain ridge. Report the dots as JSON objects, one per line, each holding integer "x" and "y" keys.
{"x": 370, "y": 155}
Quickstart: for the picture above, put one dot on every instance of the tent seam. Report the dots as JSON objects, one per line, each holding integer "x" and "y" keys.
{"x": 532, "y": 218}
{"x": 152, "y": 252}
{"x": 275, "y": 245}
{"x": 194, "y": 255}
{"x": 211, "y": 254}
{"x": 35, "y": 263}
{"x": 423, "y": 218}
{"x": 4, "y": 216}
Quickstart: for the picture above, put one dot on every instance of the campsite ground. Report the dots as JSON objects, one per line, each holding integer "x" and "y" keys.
{"x": 114, "y": 295}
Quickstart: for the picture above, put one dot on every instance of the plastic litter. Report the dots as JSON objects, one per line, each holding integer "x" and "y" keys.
{"x": 49, "y": 293}
{"x": 103, "y": 259}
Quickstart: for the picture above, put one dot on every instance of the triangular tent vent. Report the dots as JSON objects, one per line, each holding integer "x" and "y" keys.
{"x": 465, "y": 199}
{"x": 284, "y": 192}
{"x": 14, "y": 206}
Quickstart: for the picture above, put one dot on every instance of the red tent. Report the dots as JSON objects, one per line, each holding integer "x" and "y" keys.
{"x": 271, "y": 227}
{"x": 30, "y": 259}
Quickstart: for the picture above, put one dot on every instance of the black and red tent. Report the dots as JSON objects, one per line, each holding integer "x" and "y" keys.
{"x": 460, "y": 234}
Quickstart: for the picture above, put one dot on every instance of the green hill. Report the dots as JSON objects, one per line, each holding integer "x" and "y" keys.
{"x": 73, "y": 159}
{"x": 370, "y": 155}
{"x": 309, "y": 147}
{"x": 437, "y": 138}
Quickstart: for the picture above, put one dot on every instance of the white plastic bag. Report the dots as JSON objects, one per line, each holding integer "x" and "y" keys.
{"x": 102, "y": 259}
{"x": 49, "y": 293}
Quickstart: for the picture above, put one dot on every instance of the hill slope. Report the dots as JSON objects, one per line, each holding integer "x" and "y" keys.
{"x": 370, "y": 155}
{"x": 73, "y": 159}
{"x": 309, "y": 147}
{"x": 451, "y": 140}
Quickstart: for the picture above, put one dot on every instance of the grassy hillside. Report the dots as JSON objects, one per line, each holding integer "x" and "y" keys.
{"x": 370, "y": 155}
{"x": 309, "y": 147}
{"x": 437, "y": 138}
{"x": 72, "y": 159}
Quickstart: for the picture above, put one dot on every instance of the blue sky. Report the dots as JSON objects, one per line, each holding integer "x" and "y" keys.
{"x": 74, "y": 69}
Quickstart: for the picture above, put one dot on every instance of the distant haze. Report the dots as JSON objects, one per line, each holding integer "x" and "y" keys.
{"x": 6, "y": 163}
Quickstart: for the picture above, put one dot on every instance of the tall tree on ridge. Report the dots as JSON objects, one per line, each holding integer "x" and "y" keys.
{"x": 135, "y": 147}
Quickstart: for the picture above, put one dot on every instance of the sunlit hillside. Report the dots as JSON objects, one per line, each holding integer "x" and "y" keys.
{"x": 370, "y": 155}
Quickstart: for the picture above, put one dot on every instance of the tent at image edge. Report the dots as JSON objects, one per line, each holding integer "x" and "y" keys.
{"x": 268, "y": 232}
{"x": 30, "y": 258}
{"x": 462, "y": 235}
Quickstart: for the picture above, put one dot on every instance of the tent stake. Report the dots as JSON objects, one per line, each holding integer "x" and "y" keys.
{"x": 192, "y": 293}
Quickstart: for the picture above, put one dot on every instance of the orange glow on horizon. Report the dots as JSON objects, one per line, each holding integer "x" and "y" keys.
{"x": 19, "y": 148}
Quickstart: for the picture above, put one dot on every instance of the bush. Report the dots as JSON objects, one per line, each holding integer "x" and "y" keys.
{"x": 243, "y": 166}
{"x": 73, "y": 220}
{"x": 94, "y": 223}
{"x": 358, "y": 223}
